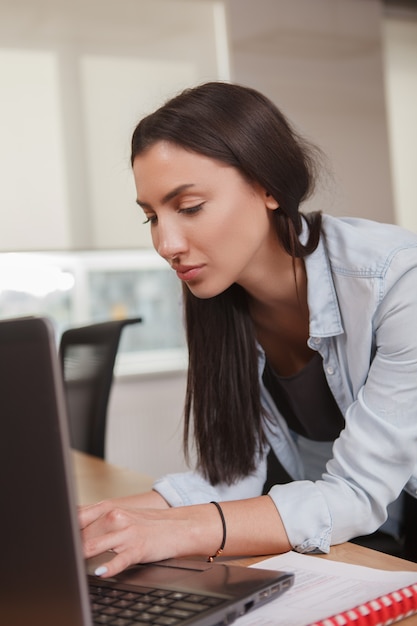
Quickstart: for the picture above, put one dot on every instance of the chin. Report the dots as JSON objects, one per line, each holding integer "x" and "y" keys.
{"x": 204, "y": 293}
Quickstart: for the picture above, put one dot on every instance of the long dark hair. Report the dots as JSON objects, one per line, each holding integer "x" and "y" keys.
{"x": 241, "y": 127}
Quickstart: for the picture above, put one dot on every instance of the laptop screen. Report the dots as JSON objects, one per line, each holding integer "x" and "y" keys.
{"x": 40, "y": 572}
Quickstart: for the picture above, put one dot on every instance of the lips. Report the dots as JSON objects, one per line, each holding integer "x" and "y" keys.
{"x": 187, "y": 272}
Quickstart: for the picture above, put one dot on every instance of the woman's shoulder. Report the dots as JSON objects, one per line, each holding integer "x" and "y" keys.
{"x": 358, "y": 227}
{"x": 365, "y": 246}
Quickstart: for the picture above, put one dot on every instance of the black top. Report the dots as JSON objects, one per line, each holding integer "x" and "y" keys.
{"x": 307, "y": 405}
{"x": 305, "y": 401}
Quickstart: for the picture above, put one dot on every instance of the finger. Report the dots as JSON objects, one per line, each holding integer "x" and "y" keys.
{"x": 116, "y": 565}
{"x": 95, "y": 545}
{"x": 89, "y": 514}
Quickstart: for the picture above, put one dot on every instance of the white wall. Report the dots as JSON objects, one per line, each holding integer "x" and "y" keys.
{"x": 400, "y": 56}
{"x": 145, "y": 423}
{"x": 33, "y": 189}
{"x": 75, "y": 78}
{"x": 320, "y": 61}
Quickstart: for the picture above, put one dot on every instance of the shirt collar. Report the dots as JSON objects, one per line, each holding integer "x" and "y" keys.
{"x": 325, "y": 318}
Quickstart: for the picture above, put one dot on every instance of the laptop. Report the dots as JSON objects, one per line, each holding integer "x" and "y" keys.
{"x": 43, "y": 575}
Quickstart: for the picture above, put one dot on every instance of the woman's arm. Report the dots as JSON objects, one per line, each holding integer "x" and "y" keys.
{"x": 253, "y": 526}
{"x": 376, "y": 453}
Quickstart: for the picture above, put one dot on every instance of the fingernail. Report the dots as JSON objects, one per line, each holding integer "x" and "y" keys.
{"x": 100, "y": 570}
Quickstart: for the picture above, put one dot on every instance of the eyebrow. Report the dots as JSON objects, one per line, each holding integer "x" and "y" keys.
{"x": 169, "y": 196}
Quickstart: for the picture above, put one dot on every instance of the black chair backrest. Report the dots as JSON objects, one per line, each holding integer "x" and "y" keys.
{"x": 87, "y": 356}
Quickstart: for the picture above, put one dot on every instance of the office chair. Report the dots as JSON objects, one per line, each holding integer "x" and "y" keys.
{"x": 87, "y": 356}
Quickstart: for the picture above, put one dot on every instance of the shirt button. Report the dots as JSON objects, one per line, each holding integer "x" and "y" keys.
{"x": 317, "y": 340}
{"x": 330, "y": 370}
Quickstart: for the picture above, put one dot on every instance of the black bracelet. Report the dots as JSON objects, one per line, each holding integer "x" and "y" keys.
{"x": 220, "y": 550}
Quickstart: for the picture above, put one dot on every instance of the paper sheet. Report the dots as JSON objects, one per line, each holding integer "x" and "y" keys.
{"x": 322, "y": 588}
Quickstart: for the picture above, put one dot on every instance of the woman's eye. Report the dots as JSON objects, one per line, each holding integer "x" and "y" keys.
{"x": 192, "y": 209}
{"x": 151, "y": 219}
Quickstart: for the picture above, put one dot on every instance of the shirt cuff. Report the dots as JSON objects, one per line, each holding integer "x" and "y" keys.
{"x": 305, "y": 515}
{"x": 185, "y": 489}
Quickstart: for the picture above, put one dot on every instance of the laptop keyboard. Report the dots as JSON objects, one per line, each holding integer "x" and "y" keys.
{"x": 144, "y": 607}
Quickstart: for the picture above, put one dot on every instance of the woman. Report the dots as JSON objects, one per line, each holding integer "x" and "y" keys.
{"x": 302, "y": 339}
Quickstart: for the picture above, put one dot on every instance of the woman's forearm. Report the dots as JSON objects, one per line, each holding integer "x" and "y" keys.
{"x": 148, "y": 500}
{"x": 133, "y": 533}
{"x": 253, "y": 527}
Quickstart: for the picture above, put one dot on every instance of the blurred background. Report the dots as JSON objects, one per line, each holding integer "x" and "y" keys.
{"x": 75, "y": 78}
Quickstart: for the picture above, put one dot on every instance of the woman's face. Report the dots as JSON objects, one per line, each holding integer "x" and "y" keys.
{"x": 206, "y": 220}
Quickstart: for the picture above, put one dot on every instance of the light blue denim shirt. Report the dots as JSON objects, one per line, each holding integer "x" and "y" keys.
{"x": 362, "y": 297}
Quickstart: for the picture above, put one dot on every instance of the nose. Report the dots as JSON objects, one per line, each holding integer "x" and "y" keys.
{"x": 168, "y": 239}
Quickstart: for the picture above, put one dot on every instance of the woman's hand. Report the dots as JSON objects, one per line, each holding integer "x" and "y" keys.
{"x": 134, "y": 535}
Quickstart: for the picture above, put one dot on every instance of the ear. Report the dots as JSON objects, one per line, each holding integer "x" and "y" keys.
{"x": 270, "y": 201}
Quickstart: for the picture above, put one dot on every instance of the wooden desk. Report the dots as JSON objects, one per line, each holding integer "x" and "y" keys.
{"x": 97, "y": 480}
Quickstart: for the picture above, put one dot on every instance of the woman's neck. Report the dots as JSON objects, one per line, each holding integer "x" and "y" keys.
{"x": 279, "y": 311}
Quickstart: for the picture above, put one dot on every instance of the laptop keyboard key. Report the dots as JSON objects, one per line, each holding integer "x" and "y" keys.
{"x": 167, "y": 621}
{"x": 190, "y": 606}
{"x": 158, "y": 607}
